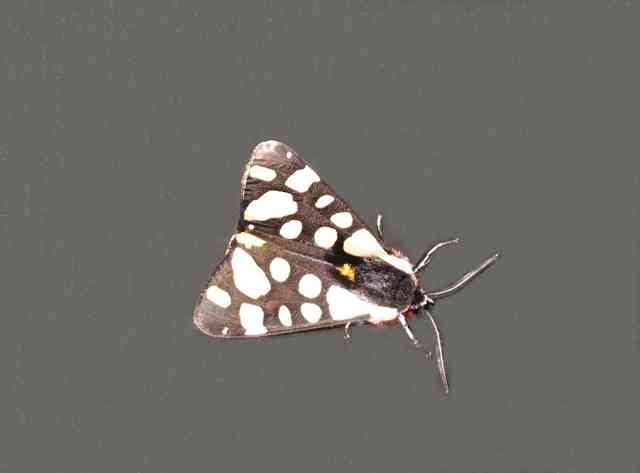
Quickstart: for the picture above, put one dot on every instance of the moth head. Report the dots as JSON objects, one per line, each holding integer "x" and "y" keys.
{"x": 421, "y": 299}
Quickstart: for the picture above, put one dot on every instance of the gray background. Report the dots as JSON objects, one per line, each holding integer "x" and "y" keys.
{"x": 124, "y": 127}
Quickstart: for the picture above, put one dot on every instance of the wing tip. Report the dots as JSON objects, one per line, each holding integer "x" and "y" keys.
{"x": 271, "y": 146}
{"x": 204, "y": 325}
{"x": 199, "y": 322}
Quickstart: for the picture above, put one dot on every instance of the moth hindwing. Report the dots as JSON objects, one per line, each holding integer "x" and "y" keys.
{"x": 300, "y": 259}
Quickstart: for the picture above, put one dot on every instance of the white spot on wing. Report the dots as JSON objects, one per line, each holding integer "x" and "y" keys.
{"x": 249, "y": 241}
{"x": 280, "y": 269}
{"x": 342, "y": 219}
{"x": 324, "y": 201}
{"x": 291, "y": 229}
{"x": 284, "y": 315}
{"x": 301, "y": 180}
{"x": 345, "y": 305}
{"x": 248, "y": 277}
{"x": 398, "y": 263}
{"x": 225, "y": 331}
{"x": 325, "y": 237}
{"x": 379, "y": 314}
{"x": 289, "y": 155}
{"x": 310, "y": 286}
{"x": 262, "y": 173}
{"x": 363, "y": 243}
{"x": 271, "y": 204}
{"x": 219, "y": 296}
{"x": 311, "y": 312}
{"x": 252, "y": 319}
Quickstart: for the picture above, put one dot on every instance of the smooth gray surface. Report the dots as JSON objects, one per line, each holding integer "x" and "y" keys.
{"x": 123, "y": 130}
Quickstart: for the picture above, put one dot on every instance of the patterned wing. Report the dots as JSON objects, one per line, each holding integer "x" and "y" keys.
{"x": 300, "y": 259}
{"x": 261, "y": 289}
{"x": 283, "y": 198}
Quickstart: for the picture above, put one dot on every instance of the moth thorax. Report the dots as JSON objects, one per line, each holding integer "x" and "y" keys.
{"x": 384, "y": 284}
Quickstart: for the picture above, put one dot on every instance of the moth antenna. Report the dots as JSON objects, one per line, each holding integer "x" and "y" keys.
{"x": 439, "y": 353}
{"x": 464, "y": 280}
{"x": 426, "y": 258}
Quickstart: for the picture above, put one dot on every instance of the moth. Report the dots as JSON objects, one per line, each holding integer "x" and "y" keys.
{"x": 302, "y": 259}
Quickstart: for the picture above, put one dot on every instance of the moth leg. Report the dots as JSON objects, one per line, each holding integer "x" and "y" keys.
{"x": 426, "y": 258}
{"x": 379, "y": 226}
{"x": 403, "y": 322}
{"x": 439, "y": 353}
{"x": 347, "y": 333}
{"x": 464, "y": 280}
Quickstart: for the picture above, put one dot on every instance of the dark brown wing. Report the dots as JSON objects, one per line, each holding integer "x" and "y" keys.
{"x": 277, "y": 175}
{"x": 272, "y": 309}
{"x": 288, "y": 213}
